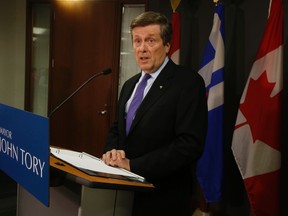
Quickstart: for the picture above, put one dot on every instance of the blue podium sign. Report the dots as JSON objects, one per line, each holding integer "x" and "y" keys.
{"x": 24, "y": 150}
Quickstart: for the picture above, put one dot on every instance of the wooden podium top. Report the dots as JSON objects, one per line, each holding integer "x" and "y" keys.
{"x": 72, "y": 173}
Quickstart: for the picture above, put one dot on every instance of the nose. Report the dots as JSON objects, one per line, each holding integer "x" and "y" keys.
{"x": 142, "y": 47}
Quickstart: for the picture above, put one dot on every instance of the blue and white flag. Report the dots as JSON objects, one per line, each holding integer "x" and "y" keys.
{"x": 210, "y": 166}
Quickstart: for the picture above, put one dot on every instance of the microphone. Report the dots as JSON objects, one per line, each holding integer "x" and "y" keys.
{"x": 104, "y": 72}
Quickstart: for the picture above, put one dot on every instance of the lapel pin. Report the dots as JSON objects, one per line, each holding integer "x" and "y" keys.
{"x": 160, "y": 87}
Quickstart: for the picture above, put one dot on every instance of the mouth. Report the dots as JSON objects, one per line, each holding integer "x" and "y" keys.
{"x": 143, "y": 59}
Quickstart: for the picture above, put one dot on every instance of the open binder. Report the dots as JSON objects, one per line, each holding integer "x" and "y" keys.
{"x": 93, "y": 165}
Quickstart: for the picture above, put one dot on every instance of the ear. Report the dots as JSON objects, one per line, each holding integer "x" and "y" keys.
{"x": 167, "y": 47}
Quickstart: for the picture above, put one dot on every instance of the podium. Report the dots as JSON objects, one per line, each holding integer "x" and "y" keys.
{"x": 88, "y": 196}
{"x": 50, "y": 186}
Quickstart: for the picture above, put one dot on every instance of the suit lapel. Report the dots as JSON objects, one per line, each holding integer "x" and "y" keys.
{"x": 129, "y": 88}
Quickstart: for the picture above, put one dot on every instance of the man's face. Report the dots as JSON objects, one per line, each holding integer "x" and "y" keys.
{"x": 148, "y": 47}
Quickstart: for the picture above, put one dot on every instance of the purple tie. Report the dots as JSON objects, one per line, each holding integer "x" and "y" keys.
{"x": 136, "y": 101}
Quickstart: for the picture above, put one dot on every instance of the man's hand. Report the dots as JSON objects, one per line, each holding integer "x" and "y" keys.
{"x": 116, "y": 158}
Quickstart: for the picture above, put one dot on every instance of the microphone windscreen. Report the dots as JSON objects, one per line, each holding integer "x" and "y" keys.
{"x": 107, "y": 71}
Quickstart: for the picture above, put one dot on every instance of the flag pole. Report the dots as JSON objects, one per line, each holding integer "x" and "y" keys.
{"x": 203, "y": 205}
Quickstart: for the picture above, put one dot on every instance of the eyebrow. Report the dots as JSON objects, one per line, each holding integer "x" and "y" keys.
{"x": 149, "y": 35}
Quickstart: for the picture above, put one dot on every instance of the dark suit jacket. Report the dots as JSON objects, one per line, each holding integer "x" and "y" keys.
{"x": 166, "y": 138}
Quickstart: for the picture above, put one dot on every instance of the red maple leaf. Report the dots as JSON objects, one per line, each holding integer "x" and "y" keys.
{"x": 262, "y": 111}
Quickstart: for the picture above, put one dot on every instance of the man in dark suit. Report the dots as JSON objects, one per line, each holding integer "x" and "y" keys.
{"x": 168, "y": 131}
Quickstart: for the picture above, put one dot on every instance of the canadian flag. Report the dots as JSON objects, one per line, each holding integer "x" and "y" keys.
{"x": 256, "y": 138}
{"x": 174, "y": 53}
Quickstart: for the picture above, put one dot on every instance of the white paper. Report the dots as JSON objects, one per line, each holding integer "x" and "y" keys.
{"x": 86, "y": 161}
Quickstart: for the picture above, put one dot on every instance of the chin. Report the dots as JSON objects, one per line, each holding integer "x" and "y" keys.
{"x": 145, "y": 68}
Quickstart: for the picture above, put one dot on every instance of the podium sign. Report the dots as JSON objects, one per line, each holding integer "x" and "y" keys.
{"x": 24, "y": 150}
